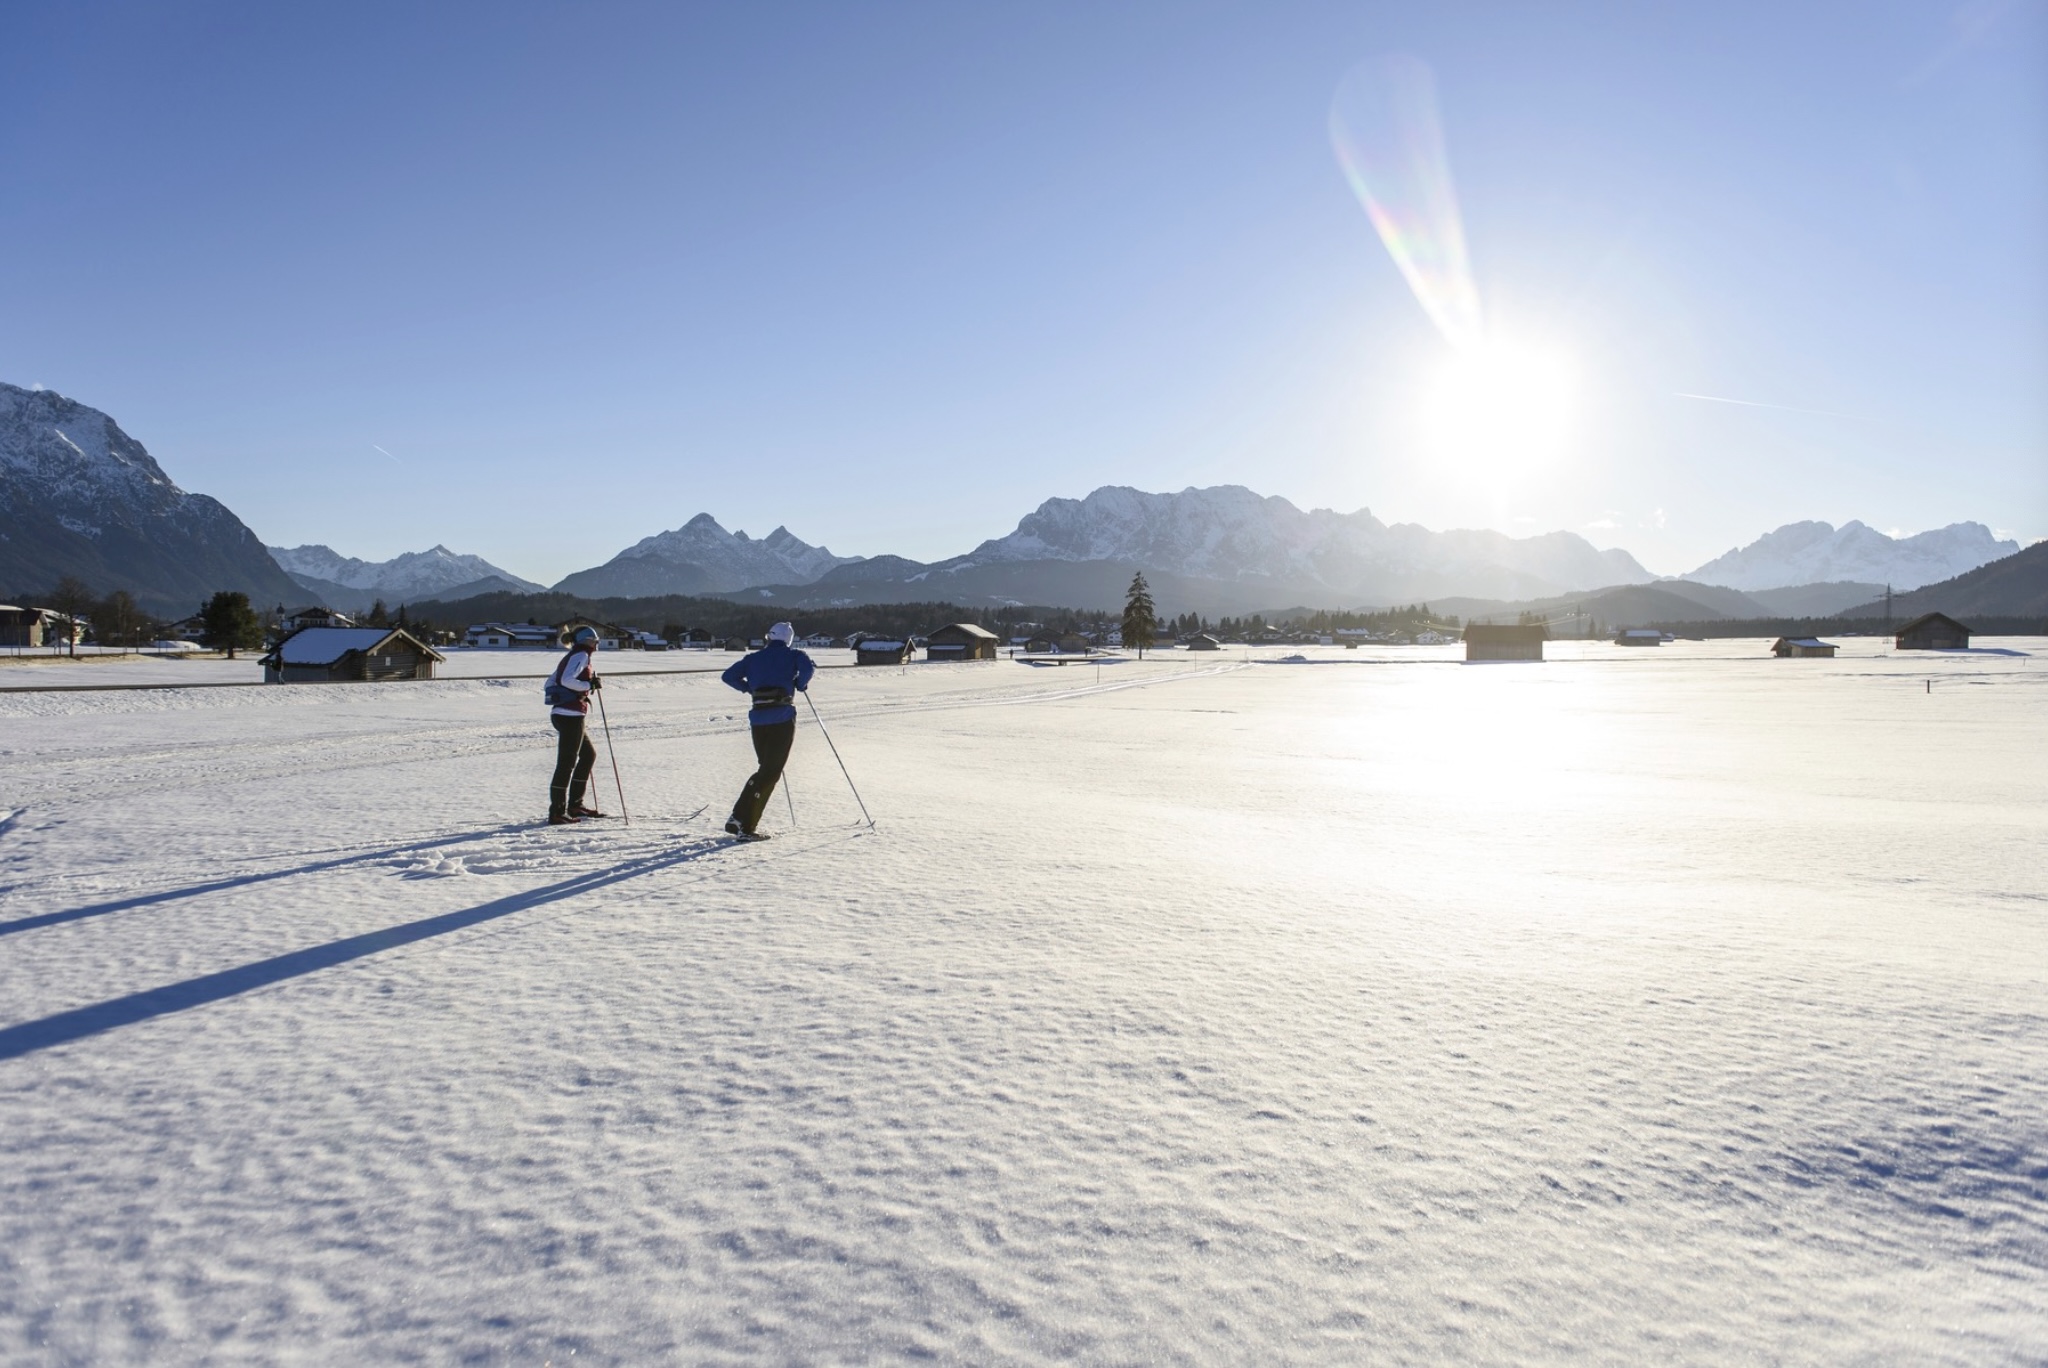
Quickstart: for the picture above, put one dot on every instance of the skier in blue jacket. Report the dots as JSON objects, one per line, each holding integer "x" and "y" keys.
{"x": 774, "y": 675}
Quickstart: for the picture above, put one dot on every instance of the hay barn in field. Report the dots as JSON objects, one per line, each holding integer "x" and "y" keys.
{"x": 961, "y": 641}
{"x": 1485, "y": 642}
{"x": 878, "y": 652}
{"x": 1933, "y": 632}
{"x": 1796, "y": 648}
{"x": 339, "y": 655}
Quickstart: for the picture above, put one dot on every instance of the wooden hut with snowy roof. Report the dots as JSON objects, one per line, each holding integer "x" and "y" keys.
{"x": 881, "y": 651}
{"x": 1933, "y": 632}
{"x": 338, "y": 655}
{"x": 961, "y": 641}
{"x": 1798, "y": 648}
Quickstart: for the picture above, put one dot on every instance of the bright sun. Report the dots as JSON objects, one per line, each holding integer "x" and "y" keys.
{"x": 1500, "y": 410}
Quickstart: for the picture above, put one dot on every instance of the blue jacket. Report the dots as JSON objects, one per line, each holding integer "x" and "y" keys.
{"x": 774, "y": 675}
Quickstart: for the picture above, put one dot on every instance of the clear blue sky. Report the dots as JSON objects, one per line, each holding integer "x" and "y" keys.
{"x": 892, "y": 273}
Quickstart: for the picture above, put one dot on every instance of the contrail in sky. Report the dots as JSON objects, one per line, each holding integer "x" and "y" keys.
{"x": 374, "y": 446}
{"x": 1751, "y": 403}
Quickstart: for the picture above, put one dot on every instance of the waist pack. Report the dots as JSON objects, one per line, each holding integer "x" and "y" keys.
{"x": 771, "y": 697}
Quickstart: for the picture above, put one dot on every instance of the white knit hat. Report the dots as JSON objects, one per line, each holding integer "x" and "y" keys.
{"x": 782, "y": 632}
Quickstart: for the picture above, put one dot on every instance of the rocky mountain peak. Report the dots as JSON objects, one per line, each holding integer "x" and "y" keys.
{"x": 1817, "y": 552}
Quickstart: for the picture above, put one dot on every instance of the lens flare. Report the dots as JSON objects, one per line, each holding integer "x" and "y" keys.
{"x": 1390, "y": 142}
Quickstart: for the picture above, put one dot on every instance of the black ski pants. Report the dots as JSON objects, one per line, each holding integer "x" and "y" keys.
{"x": 574, "y": 756}
{"x": 771, "y": 748}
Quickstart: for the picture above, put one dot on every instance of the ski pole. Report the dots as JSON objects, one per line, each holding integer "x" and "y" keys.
{"x": 615, "y": 758}
{"x": 835, "y": 755}
{"x": 787, "y": 797}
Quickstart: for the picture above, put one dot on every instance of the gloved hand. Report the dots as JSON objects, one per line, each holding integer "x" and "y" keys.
{"x": 595, "y": 683}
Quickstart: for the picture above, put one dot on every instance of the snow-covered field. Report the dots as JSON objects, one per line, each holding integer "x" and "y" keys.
{"x": 128, "y": 671}
{"x": 1675, "y": 1005}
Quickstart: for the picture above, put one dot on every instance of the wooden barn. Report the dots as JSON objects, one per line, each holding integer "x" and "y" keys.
{"x": 1202, "y": 641}
{"x": 876, "y": 651}
{"x": 961, "y": 641}
{"x": 335, "y": 655}
{"x": 1799, "y": 648}
{"x": 1934, "y": 632}
{"x": 1486, "y": 642}
{"x": 1639, "y": 636}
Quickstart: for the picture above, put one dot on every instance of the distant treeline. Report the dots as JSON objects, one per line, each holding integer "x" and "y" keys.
{"x": 1820, "y": 627}
{"x": 670, "y": 615}
{"x": 1415, "y": 617}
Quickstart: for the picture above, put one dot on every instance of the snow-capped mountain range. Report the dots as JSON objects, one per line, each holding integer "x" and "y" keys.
{"x": 1230, "y": 533}
{"x": 1817, "y": 553}
{"x": 348, "y": 583}
{"x": 1226, "y": 549}
{"x": 80, "y": 497}
{"x": 701, "y": 557}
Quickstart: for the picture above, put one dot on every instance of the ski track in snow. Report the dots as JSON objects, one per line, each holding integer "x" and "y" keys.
{"x": 1687, "y": 1008}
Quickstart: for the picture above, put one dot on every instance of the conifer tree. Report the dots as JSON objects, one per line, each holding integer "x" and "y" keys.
{"x": 1139, "y": 614}
{"x": 228, "y": 622}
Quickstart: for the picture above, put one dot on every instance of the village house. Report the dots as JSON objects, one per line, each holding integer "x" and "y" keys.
{"x": 511, "y": 636}
{"x": 609, "y": 636}
{"x": 1487, "y": 642}
{"x": 1933, "y": 632}
{"x": 36, "y": 626}
{"x": 315, "y": 616}
{"x": 333, "y": 655}
{"x": 961, "y": 641}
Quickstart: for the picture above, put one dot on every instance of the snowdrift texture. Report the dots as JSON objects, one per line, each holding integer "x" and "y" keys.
{"x": 1817, "y": 552}
{"x": 1673, "y": 1006}
{"x": 78, "y": 496}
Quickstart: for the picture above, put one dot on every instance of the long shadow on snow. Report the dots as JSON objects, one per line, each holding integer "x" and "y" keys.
{"x": 244, "y": 880}
{"x": 30, "y": 1036}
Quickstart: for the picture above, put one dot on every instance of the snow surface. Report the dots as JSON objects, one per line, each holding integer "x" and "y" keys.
{"x": 325, "y": 645}
{"x": 461, "y": 663}
{"x": 1681, "y": 1005}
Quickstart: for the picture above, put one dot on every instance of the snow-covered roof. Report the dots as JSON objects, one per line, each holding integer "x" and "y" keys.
{"x": 325, "y": 645}
{"x": 875, "y": 644}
